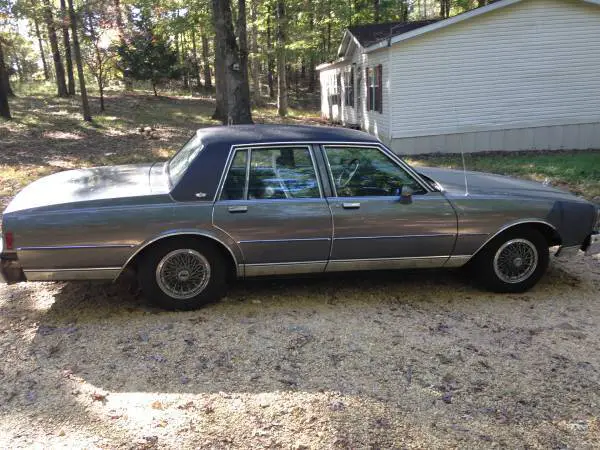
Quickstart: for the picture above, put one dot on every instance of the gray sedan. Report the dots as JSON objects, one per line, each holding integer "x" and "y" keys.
{"x": 246, "y": 201}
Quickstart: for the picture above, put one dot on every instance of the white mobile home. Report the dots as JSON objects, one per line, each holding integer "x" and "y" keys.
{"x": 512, "y": 75}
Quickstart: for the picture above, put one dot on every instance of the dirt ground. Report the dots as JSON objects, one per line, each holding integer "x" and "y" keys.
{"x": 368, "y": 360}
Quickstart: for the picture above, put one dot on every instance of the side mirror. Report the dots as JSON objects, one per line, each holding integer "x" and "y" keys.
{"x": 406, "y": 193}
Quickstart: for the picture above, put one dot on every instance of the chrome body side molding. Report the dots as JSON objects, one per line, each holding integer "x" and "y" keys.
{"x": 344, "y": 265}
{"x": 92, "y": 273}
{"x": 77, "y": 247}
{"x": 257, "y": 270}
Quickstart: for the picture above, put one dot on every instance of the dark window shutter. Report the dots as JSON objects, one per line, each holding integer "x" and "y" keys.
{"x": 379, "y": 105}
{"x": 368, "y": 83}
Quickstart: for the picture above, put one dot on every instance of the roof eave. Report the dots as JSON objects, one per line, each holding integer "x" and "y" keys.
{"x": 447, "y": 22}
{"x": 330, "y": 65}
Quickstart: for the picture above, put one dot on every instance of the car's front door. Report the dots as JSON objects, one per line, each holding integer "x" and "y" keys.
{"x": 272, "y": 205}
{"x": 375, "y": 226}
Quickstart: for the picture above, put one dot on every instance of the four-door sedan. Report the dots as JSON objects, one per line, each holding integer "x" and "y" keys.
{"x": 245, "y": 201}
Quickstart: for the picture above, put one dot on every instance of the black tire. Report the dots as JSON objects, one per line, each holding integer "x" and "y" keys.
{"x": 499, "y": 261}
{"x": 156, "y": 286}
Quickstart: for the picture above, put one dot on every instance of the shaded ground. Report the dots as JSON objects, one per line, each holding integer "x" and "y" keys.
{"x": 390, "y": 360}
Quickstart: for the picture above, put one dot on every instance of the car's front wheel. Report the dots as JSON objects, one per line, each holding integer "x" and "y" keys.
{"x": 514, "y": 261}
{"x": 182, "y": 274}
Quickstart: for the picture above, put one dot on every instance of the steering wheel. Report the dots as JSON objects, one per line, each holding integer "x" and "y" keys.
{"x": 347, "y": 173}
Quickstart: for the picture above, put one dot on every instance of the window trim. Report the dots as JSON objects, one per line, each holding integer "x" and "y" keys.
{"x": 249, "y": 147}
{"x": 391, "y": 155}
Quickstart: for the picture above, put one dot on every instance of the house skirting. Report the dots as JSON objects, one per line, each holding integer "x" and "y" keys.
{"x": 556, "y": 137}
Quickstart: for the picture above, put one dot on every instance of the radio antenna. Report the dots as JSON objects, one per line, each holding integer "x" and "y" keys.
{"x": 462, "y": 151}
{"x": 462, "y": 154}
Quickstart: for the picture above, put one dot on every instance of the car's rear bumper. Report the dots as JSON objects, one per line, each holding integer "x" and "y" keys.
{"x": 10, "y": 269}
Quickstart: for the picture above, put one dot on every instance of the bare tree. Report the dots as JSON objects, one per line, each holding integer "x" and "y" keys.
{"x": 205, "y": 63}
{"x": 85, "y": 107}
{"x": 282, "y": 95}
{"x": 243, "y": 48}
{"x": 38, "y": 35}
{"x": 236, "y": 98}
{"x": 255, "y": 62}
{"x": 4, "y": 86}
{"x": 67, "y": 46}
{"x": 59, "y": 69}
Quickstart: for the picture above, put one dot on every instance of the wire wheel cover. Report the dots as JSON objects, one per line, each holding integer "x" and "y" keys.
{"x": 183, "y": 273}
{"x": 515, "y": 260}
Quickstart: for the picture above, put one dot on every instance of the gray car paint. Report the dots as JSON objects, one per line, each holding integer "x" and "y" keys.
{"x": 102, "y": 218}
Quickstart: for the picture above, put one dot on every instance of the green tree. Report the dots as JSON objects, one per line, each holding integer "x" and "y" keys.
{"x": 147, "y": 56}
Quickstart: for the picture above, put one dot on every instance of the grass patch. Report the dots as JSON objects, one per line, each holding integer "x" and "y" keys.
{"x": 576, "y": 171}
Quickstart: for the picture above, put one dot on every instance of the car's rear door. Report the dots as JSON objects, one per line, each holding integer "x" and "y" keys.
{"x": 272, "y": 204}
{"x": 375, "y": 227}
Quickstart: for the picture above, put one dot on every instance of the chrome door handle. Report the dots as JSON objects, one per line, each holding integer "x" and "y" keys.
{"x": 347, "y": 205}
{"x": 237, "y": 209}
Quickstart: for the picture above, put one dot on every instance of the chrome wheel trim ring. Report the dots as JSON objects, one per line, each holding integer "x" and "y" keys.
{"x": 515, "y": 261}
{"x": 183, "y": 273}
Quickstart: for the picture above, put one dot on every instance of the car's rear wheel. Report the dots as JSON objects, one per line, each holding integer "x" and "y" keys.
{"x": 182, "y": 274}
{"x": 514, "y": 261}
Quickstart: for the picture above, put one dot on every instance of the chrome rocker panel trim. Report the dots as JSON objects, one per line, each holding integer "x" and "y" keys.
{"x": 92, "y": 273}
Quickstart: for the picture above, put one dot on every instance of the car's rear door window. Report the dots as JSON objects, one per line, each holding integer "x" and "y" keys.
{"x": 286, "y": 172}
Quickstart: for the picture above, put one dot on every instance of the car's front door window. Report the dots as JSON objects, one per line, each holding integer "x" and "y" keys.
{"x": 367, "y": 171}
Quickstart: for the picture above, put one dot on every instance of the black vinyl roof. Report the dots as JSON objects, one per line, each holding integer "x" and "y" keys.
{"x": 252, "y": 134}
{"x": 204, "y": 172}
{"x": 370, "y": 34}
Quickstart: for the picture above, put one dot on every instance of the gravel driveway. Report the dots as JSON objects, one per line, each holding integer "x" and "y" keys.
{"x": 378, "y": 360}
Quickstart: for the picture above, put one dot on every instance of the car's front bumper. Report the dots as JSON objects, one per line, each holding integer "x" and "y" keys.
{"x": 592, "y": 246}
{"x": 10, "y": 269}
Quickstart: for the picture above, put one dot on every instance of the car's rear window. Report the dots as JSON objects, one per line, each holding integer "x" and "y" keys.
{"x": 179, "y": 163}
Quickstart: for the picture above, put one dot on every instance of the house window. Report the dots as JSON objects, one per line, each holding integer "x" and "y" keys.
{"x": 349, "y": 87}
{"x": 375, "y": 88}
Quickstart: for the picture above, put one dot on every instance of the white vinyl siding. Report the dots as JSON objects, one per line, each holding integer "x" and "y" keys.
{"x": 528, "y": 65}
{"x": 373, "y": 121}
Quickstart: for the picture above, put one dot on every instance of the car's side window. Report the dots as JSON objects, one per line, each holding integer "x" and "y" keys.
{"x": 275, "y": 173}
{"x": 367, "y": 171}
{"x": 235, "y": 183}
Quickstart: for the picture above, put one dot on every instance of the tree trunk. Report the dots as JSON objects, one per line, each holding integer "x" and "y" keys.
{"x": 196, "y": 61}
{"x": 270, "y": 62}
{"x": 282, "y": 94}
{"x": 41, "y": 45}
{"x": 120, "y": 27}
{"x": 4, "y": 87}
{"x": 377, "y": 10}
{"x": 67, "y": 46}
{"x": 481, "y": 3}
{"x": 205, "y": 63}
{"x": 58, "y": 65}
{"x": 236, "y": 95}
{"x": 255, "y": 62}
{"x": 85, "y": 107}
{"x": 220, "y": 81}
{"x": 243, "y": 53}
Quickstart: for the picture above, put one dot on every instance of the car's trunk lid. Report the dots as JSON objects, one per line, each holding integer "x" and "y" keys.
{"x": 98, "y": 183}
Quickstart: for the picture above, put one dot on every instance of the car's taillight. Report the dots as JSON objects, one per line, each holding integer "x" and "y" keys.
{"x": 9, "y": 240}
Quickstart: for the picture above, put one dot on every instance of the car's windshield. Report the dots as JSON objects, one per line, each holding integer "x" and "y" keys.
{"x": 179, "y": 163}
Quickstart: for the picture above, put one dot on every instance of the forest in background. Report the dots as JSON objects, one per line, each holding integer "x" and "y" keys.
{"x": 245, "y": 52}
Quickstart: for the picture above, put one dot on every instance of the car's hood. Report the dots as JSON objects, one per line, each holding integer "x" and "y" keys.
{"x": 453, "y": 181}
{"x": 97, "y": 183}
